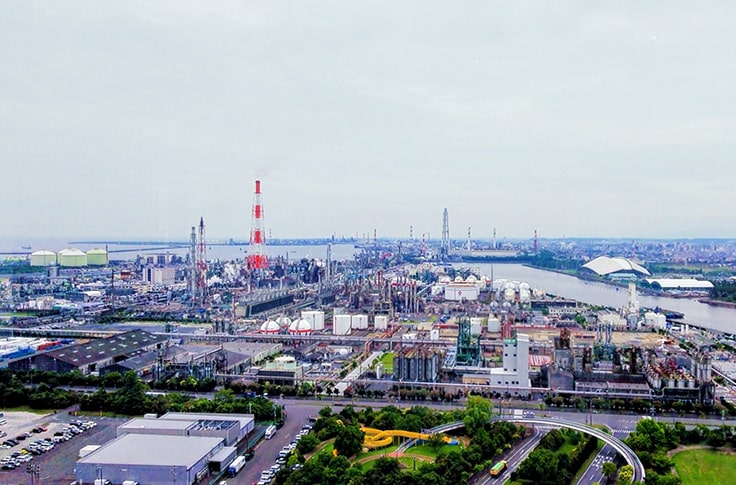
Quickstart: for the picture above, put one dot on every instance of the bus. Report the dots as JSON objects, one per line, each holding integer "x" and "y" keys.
{"x": 498, "y": 468}
{"x": 270, "y": 431}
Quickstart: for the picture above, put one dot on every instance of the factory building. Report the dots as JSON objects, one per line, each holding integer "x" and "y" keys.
{"x": 91, "y": 356}
{"x": 150, "y": 460}
{"x": 420, "y": 363}
{"x": 159, "y": 275}
{"x": 179, "y": 448}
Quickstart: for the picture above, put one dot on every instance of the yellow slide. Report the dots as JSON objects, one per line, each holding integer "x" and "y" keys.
{"x": 378, "y": 438}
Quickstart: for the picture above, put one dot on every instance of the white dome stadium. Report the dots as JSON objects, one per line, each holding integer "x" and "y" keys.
{"x": 603, "y": 266}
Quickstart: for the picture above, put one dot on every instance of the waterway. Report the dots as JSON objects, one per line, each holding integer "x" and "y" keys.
{"x": 700, "y": 314}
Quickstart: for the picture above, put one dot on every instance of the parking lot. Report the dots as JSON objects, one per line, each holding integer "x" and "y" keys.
{"x": 54, "y": 465}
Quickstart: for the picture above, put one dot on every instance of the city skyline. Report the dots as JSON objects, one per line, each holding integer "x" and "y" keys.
{"x": 133, "y": 120}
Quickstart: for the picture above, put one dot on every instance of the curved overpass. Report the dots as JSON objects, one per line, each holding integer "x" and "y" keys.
{"x": 618, "y": 445}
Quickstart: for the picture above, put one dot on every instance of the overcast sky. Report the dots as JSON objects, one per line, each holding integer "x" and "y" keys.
{"x": 580, "y": 119}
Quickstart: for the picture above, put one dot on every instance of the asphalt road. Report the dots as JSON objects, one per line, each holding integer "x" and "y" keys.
{"x": 267, "y": 451}
{"x": 594, "y": 473}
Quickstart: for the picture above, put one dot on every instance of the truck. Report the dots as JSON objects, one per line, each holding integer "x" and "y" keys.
{"x": 235, "y": 466}
{"x": 498, "y": 468}
{"x": 102, "y": 481}
{"x": 270, "y": 431}
{"x": 130, "y": 482}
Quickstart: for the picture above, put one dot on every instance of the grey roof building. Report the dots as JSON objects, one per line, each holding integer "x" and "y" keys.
{"x": 150, "y": 460}
{"x": 94, "y": 355}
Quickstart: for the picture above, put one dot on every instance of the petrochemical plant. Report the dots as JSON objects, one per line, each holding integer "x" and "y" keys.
{"x": 390, "y": 320}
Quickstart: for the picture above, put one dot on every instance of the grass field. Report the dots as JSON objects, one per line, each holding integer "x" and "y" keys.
{"x": 387, "y": 360}
{"x": 696, "y": 467}
{"x": 426, "y": 450}
{"x": 28, "y": 409}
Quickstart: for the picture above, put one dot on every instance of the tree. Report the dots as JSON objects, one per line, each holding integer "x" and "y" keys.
{"x": 625, "y": 475}
{"x": 477, "y": 413}
{"x": 540, "y": 466}
{"x": 349, "y": 440}
{"x": 609, "y": 469}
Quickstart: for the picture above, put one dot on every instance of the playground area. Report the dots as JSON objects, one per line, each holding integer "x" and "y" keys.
{"x": 378, "y": 438}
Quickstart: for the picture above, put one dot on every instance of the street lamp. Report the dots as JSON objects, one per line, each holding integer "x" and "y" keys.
{"x": 34, "y": 471}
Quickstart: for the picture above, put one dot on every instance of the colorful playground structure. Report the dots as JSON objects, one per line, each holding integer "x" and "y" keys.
{"x": 378, "y": 438}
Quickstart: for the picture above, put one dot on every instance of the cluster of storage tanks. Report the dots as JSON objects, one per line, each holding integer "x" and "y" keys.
{"x": 344, "y": 324}
{"x": 512, "y": 291}
{"x": 71, "y": 258}
{"x": 308, "y": 322}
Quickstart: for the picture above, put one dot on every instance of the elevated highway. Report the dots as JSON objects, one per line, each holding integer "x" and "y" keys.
{"x": 618, "y": 445}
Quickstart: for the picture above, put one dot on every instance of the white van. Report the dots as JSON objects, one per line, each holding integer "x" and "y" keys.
{"x": 270, "y": 431}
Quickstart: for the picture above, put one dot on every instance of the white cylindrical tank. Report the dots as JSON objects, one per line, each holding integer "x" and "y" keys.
{"x": 434, "y": 334}
{"x": 494, "y": 325}
{"x": 316, "y": 318}
{"x": 359, "y": 322}
{"x": 476, "y": 325}
{"x": 341, "y": 325}
{"x": 380, "y": 322}
{"x": 43, "y": 258}
{"x": 72, "y": 258}
{"x": 97, "y": 257}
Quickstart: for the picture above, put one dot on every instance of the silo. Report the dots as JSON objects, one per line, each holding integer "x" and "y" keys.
{"x": 97, "y": 257}
{"x": 494, "y": 325}
{"x": 72, "y": 258}
{"x": 316, "y": 318}
{"x": 476, "y": 325}
{"x": 380, "y": 322}
{"x": 43, "y": 258}
{"x": 341, "y": 325}
{"x": 359, "y": 322}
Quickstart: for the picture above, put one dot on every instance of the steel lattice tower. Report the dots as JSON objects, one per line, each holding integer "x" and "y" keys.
{"x": 445, "y": 242}
{"x": 193, "y": 264}
{"x": 201, "y": 262}
{"x": 257, "y": 258}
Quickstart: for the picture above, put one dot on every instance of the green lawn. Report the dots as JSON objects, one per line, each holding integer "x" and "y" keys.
{"x": 426, "y": 450}
{"x": 28, "y": 409}
{"x": 696, "y": 467}
{"x": 380, "y": 451}
{"x": 387, "y": 360}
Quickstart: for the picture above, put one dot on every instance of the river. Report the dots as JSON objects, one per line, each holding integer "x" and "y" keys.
{"x": 708, "y": 316}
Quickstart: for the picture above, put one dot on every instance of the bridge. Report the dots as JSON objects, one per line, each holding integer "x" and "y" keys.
{"x": 618, "y": 445}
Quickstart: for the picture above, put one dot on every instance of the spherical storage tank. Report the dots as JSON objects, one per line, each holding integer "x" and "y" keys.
{"x": 97, "y": 257}
{"x": 269, "y": 326}
{"x": 73, "y": 258}
{"x": 43, "y": 258}
{"x": 300, "y": 327}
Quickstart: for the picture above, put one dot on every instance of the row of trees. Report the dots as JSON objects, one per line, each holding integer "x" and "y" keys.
{"x": 635, "y": 404}
{"x": 548, "y": 464}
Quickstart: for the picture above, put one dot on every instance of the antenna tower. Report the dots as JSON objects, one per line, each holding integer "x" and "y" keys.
{"x": 201, "y": 262}
{"x": 536, "y": 241}
{"x": 193, "y": 263}
{"x": 470, "y": 244}
{"x": 445, "y": 243}
{"x": 257, "y": 258}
